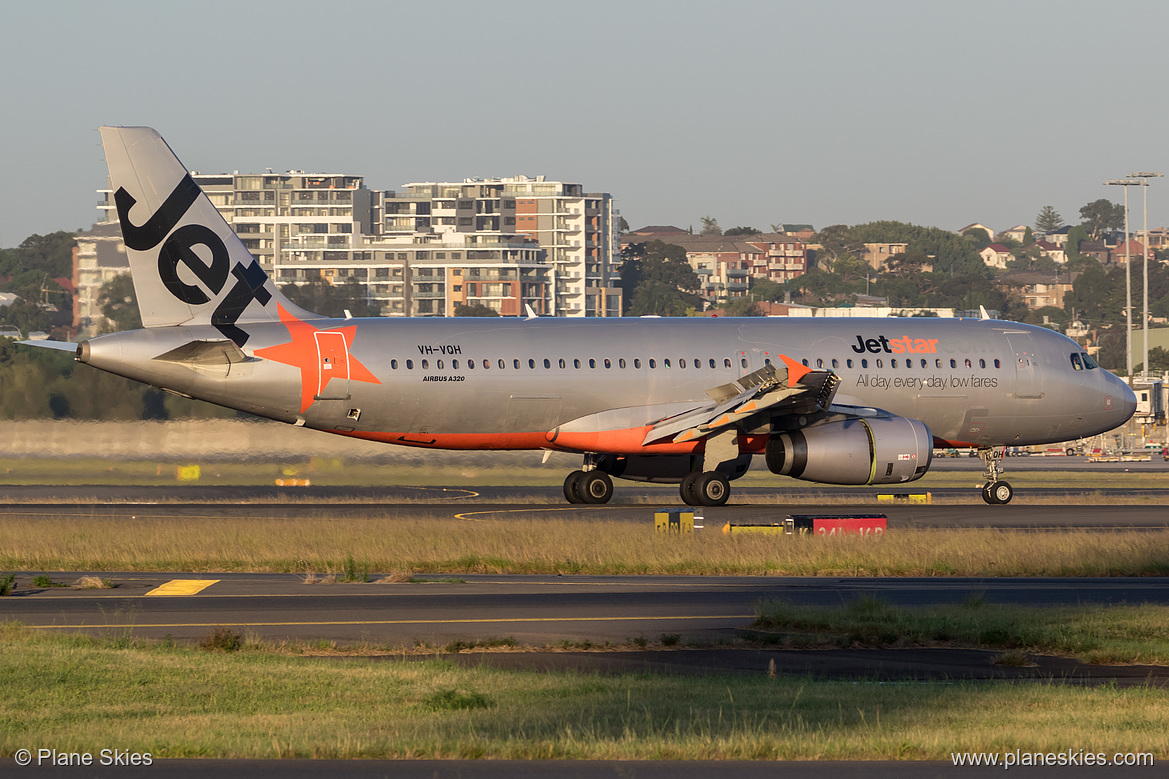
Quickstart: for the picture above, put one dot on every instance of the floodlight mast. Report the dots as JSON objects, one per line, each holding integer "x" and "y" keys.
{"x": 1126, "y": 183}
{"x": 1144, "y": 176}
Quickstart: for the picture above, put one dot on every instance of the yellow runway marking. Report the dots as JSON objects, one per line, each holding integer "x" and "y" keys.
{"x": 404, "y": 622}
{"x": 182, "y": 587}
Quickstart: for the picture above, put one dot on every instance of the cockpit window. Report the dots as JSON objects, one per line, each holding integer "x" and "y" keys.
{"x": 1089, "y": 363}
{"x": 1076, "y": 363}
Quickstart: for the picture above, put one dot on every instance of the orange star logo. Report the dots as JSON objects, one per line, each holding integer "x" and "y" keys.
{"x": 321, "y": 355}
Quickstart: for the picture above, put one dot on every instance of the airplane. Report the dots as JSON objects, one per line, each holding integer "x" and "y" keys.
{"x": 689, "y": 401}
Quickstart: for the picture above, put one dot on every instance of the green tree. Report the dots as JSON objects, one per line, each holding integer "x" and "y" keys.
{"x": 1048, "y": 220}
{"x": 710, "y": 226}
{"x": 119, "y": 305}
{"x": 1102, "y": 216}
{"x": 741, "y": 231}
{"x": 474, "y": 309}
{"x": 51, "y": 254}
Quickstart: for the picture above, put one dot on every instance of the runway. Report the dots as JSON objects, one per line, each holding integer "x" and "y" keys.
{"x": 484, "y": 504}
{"x": 563, "y": 612}
{"x": 569, "y": 612}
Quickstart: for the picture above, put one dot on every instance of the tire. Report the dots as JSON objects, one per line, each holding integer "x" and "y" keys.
{"x": 1000, "y": 493}
{"x": 595, "y": 487}
{"x": 712, "y": 489}
{"x": 572, "y": 487}
{"x": 986, "y": 496}
{"x": 686, "y": 489}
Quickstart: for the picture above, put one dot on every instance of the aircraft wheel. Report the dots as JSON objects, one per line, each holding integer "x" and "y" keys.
{"x": 712, "y": 489}
{"x": 1000, "y": 492}
{"x": 595, "y": 487}
{"x": 686, "y": 488}
{"x": 572, "y": 487}
{"x": 986, "y": 493}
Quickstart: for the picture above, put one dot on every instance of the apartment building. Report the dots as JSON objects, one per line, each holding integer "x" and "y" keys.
{"x": 577, "y": 230}
{"x": 725, "y": 265}
{"x": 302, "y": 227}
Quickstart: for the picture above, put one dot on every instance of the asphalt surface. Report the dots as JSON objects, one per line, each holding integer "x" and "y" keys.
{"x": 568, "y": 611}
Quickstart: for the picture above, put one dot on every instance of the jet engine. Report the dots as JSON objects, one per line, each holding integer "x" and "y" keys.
{"x": 879, "y": 450}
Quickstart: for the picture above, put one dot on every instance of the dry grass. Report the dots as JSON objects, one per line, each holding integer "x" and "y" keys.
{"x": 550, "y": 545}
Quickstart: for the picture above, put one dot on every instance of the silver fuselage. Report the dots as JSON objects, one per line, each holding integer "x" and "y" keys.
{"x": 411, "y": 381}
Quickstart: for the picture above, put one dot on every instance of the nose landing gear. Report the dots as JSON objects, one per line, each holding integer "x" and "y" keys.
{"x": 995, "y": 491}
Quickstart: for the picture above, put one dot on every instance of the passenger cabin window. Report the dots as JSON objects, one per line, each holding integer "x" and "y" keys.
{"x": 608, "y": 364}
{"x": 592, "y": 363}
{"x": 982, "y": 363}
{"x": 394, "y": 364}
{"x": 682, "y": 363}
{"x": 438, "y": 364}
{"x": 563, "y": 364}
{"x": 409, "y": 365}
{"x": 743, "y": 362}
{"x": 997, "y": 364}
{"x": 653, "y": 364}
{"x": 576, "y": 364}
{"x": 880, "y": 364}
{"x": 516, "y": 363}
{"x": 864, "y": 363}
{"x": 455, "y": 364}
{"x": 848, "y": 362}
{"x": 819, "y": 362}
{"x": 712, "y": 366}
{"x": 805, "y": 362}
{"x": 666, "y": 363}
{"x": 726, "y": 362}
{"x": 532, "y": 364}
{"x": 470, "y": 365}
{"x": 953, "y": 363}
{"x": 425, "y": 365}
{"x": 637, "y": 363}
{"x": 547, "y": 363}
{"x": 621, "y": 363}
{"x": 502, "y": 365}
{"x": 893, "y": 363}
{"x": 835, "y": 363}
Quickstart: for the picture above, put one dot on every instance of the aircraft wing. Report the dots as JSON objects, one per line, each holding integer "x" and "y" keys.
{"x": 793, "y": 388}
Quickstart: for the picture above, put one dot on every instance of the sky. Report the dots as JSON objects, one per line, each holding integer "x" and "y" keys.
{"x": 755, "y": 113}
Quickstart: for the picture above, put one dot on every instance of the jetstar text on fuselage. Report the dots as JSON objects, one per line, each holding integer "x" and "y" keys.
{"x": 903, "y": 345}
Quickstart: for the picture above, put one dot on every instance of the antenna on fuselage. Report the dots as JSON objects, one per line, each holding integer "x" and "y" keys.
{"x": 982, "y": 308}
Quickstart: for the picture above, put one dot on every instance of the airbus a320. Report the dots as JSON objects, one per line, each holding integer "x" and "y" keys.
{"x": 686, "y": 401}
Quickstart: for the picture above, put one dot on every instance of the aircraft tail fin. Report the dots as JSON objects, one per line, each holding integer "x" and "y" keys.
{"x": 188, "y": 265}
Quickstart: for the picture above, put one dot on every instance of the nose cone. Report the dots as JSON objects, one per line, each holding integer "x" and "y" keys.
{"x": 1128, "y": 401}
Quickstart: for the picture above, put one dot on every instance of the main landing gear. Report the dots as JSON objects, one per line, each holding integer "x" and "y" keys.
{"x": 708, "y": 488}
{"x": 588, "y": 487}
{"x": 994, "y": 491}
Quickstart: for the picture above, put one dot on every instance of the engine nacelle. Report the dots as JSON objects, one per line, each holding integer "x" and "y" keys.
{"x": 879, "y": 450}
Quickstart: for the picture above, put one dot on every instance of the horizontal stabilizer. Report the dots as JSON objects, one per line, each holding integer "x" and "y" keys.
{"x": 211, "y": 357}
{"x": 61, "y": 346}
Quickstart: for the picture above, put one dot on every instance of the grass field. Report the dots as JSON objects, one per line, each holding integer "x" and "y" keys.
{"x": 442, "y": 544}
{"x": 75, "y": 693}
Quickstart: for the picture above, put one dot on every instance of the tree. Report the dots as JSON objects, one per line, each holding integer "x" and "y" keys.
{"x": 1048, "y": 220}
{"x": 657, "y": 279}
{"x": 1102, "y": 216}
{"x": 741, "y": 231}
{"x": 710, "y": 226}
{"x": 474, "y": 309}
{"x": 119, "y": 305}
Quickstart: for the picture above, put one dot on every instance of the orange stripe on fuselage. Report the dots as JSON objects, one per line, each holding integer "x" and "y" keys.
{"x": 627, "y": 441}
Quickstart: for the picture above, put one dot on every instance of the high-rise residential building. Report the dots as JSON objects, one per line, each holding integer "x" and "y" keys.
{"x": 577, "y": 230}
{"x": 508, "y": 244}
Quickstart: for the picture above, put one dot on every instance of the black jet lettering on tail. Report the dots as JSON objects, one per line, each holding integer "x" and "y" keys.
{"x": 179, "y": 249}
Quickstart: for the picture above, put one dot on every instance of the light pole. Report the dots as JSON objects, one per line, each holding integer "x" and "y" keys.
{"x": 1126, "y": 183}
{"x": 1144, "y": 177}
